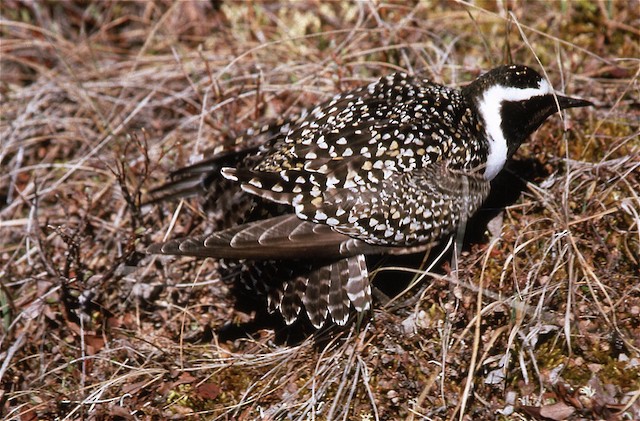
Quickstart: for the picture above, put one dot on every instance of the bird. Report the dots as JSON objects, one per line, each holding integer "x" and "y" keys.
{"x": 391, "y": 167}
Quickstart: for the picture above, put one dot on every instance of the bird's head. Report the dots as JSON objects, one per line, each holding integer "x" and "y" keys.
{"x": 513, "y": 101}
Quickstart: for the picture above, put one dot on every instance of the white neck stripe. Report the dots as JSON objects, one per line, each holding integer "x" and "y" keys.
{"x": 489, "y": 108}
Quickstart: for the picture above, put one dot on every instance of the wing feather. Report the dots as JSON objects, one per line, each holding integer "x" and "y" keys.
{"x": 268, "y": 239}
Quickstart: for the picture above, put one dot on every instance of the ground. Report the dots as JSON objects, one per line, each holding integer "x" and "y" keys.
{"x": 100, "y": 100}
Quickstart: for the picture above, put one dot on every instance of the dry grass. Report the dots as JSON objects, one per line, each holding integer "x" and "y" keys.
{"x": 100, "y": 101}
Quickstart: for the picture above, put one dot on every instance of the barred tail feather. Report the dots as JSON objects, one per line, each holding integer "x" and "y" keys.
{"x": 316, "y": 296}
{"x": 291, "y": 302}
{"x": 358, "y": 287}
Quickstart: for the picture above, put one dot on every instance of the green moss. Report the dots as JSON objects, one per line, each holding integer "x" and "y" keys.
{"x": 618, "y": 373}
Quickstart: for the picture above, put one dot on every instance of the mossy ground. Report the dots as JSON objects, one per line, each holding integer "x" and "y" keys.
{"x": 100, "y": 100}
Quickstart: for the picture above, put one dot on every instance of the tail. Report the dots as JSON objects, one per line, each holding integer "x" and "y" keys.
{"x": 315, "y": 291}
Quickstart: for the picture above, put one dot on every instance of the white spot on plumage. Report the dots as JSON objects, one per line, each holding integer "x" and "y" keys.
{"x": 320, "y": 216}
{"x": 229, "y": 173}
{"x": 332, "y": 181}
{"x": 349, "y": 184}
{"x": 255, "y": 183}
